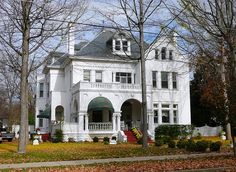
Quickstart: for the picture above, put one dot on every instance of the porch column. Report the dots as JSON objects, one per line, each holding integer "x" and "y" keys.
{"x": 81, "y": 121}
{"x": 150, "y": 120}
{"x": 114, "y": 122}
{"x": 118, "y": 120}
{"x": 86, "y": 122}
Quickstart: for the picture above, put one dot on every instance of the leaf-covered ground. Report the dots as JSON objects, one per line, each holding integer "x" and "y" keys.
{"x": 149, "y": 166}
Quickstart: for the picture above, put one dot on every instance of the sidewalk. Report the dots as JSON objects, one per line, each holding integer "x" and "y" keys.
{"x": 99, "y": 161}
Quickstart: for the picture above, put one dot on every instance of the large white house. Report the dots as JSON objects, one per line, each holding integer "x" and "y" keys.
{"x": 95, "y": 88}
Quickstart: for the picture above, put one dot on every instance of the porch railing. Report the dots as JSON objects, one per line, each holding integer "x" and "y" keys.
{"x": 100, "y": 126}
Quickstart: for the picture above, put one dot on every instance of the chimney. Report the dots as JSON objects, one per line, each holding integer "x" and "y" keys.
{"x": 71, "y": 39}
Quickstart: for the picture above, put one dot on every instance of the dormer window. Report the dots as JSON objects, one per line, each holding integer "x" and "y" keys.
{"x": 118, "y": 45}
{"x": 125, "y": 45}
{"x": 163, "y": 53}
{"x": 121, "y": 46}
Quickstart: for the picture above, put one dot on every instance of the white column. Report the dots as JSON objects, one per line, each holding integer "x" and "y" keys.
{"x": 118, "y": 121}
{"x": 86, "y": 122}
{"x": 150, "y": 121}
{"x": 114, "y": 122}
{"x": 81, "y": 122}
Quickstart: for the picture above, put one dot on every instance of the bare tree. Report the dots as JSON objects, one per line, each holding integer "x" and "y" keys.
{"x": 136, "y": 16}
{"x": 27, "y": 26}
{"x": 210, "y": 27}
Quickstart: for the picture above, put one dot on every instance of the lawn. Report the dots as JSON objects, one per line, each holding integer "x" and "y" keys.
{"x": 76, "y": 151}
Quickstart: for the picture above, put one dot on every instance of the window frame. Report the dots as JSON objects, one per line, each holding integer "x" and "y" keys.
{"x": 40, "y": 122}
{"x": 156, "y": 54}
{"x": 165, "y": 83}
{"x": 88, "y": 79}
{"x": 98, "y": 72}
{"x": 123, "y": 76}
{"x": 171, "y": 54}
{"x": 165, "y": 108}
{"x": 175, "y": 113}
{"x": 174, "y": 80}
{"x": 155, "y": 113}
{"x": 41, "y": 89}
{"x": 163, "y": 53}
{"x": 154, "y": 79}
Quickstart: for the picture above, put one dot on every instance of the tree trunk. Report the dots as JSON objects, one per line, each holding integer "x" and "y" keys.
{"x": 24, "y": 80}
{"x": 233, "y": 140}
{"x": 143, "y": 77}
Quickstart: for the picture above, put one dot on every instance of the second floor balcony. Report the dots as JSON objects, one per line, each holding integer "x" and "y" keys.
{"x": 86, "y": 86}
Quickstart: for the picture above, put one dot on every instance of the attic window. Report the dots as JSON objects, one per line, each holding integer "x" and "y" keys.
{"x": 118, "y": 45}
{"x": 125, "y": 45}
{"x": 121, "y": 46}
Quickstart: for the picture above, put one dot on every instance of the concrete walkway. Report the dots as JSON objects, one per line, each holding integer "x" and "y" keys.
{"x": 99, "y": 161}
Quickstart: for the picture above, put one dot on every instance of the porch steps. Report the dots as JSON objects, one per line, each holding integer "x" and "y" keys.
{"x": 130, "y": 136}
{"x": 132, "y": 139}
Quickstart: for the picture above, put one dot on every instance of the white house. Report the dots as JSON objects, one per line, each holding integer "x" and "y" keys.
{"x": 95, "y": 88}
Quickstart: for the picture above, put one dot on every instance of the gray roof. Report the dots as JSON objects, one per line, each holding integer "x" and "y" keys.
{"x": 100, "y": 47}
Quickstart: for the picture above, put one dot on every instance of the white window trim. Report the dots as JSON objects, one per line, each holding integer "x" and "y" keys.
{"x": 121, "y": 51}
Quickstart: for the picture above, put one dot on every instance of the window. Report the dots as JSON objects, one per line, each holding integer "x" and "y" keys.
{"x": 98, "y": 76}
{"x": 165, "y": 112}
{"x": 154, "y": 79}
{"x": 171, "y": 55}
{"x": 174, "y": 80}
{"x": 41, "y": 85}
{"x": 156, "y": 53}
{"x": 175, "y": 113}
{"x": 125, "y": 45}
{"x": 48, "y": 90}
{"x": 123, "y": 77}
{"x": 163, "y": 53}
{"x": 40, "y": 122}
{"x": 117, "y": 46}
{"x": 164, "y": 79}
{"x": 87, "y": 75}
{"x": 155, "y": 107}
{"x": 122, "y": 45}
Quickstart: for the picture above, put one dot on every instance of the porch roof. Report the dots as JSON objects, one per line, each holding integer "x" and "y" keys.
{"x": 45, "y": 114}
{"x": 100, "y": 103}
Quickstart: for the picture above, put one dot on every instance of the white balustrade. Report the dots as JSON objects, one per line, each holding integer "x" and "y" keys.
{"x": 106, "y": 86}
{"x": 100, "y": 126}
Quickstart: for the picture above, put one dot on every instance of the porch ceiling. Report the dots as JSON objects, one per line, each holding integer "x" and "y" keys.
{"x": 100, "y": 103}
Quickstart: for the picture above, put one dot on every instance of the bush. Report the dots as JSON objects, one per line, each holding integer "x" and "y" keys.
{"x": 95, "y": 139}
{"x": 181, "y": 144}
{"x": 58, "y": 136}
{"x": 106, "y": 139}
{"x": 215, "y": 146}
{"x": 106, "y": 143}
{"x": 159, "y": 142}
{"x": 199, "y": 136}
{"x": 173, "y": 131}
{"x": 201, "y": 146}
{"x": 190, "y": 145}
{"x": 171, "y": 144}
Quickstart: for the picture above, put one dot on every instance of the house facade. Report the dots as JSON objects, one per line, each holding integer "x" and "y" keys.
{"x": 95, "y": 88}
